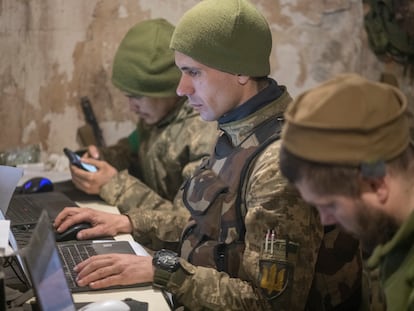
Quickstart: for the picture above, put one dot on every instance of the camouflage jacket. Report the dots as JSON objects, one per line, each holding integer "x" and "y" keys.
{"x": 214, "y": 236}
{"x": 305, "y": 270}
{"x": 168, "y": 153}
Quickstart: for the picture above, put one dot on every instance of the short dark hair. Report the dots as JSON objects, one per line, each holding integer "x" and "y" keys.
{"x": 324, "y": 178}
{"x": 333, "y": 178}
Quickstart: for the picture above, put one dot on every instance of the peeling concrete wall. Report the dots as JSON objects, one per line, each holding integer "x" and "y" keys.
{"x": 55, "y": 51}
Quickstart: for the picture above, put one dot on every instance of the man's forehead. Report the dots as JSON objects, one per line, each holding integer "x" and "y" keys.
{"x": 309, "y": 195}
{"x": 180, "y": 58}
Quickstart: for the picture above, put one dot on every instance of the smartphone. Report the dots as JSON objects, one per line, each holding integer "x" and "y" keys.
{"x": 75, "y": 159}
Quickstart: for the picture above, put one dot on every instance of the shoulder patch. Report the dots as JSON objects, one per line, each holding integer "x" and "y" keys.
{"x": 276, "y": 266}
{"x": 274, "y": 277}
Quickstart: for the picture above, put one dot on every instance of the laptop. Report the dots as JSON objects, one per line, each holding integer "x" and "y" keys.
{"x": 10, "y": 176}
{"x": 45, "y": 270}
{"x": 72, "y": 253}
{"x": 24, "y": 276}
{"x": 25, "y": 209}
{"x": 47, "y": 275}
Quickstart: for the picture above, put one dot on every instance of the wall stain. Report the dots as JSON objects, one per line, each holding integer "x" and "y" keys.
{"x": 49, "y": 59}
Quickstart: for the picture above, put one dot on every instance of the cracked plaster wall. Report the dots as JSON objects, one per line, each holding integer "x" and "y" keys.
{"x": 55, "y": 51}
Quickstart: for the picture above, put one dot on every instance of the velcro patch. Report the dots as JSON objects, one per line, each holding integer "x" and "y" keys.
{"x": 274, "y": 277}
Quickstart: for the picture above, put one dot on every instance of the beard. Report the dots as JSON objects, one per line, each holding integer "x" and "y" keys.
{"x": 373, "y": 227}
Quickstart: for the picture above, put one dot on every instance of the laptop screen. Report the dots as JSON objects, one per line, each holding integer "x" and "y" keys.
{"x": 10, "y": 176}
{"x": 43, "y": 262}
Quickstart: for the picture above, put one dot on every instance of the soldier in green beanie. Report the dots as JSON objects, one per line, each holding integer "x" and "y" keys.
{"x": 145, "y": 170}
{"x": 250, "y": 243}
{"x": 346, "y": 147}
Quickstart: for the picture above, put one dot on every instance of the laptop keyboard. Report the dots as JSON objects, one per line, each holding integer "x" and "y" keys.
{"x": 25, "y": 213}
{"x": 26, "y": 208}
{"x": 71, "y": 255}
{"x": 22, "y": 234}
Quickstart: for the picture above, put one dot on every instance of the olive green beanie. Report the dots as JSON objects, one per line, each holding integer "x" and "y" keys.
{"x": 228, "y": 35}
{"x": 144, "y": 64}
{"x": 348, "y": 120}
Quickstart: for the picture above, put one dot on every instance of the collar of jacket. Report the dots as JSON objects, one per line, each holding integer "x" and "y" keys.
{"x": 404, "y": 234}
{"x": 266, "y": 108}
{"x": 263, "y": 98}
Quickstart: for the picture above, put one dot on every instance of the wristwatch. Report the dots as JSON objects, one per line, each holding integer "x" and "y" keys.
{"x": 166, "y": 262}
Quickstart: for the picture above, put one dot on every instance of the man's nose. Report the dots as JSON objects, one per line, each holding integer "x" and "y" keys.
{"x": 184, "y": 87}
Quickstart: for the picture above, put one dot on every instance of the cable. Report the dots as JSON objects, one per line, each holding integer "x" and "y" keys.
{"x": 12, "y": 262}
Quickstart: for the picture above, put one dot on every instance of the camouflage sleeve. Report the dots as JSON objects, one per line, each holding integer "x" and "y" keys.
{"x": 126, "y": 191}
{"x": 119, "y": 155}
{"x": 276, "y": 277}
{"x": 283, "y": 237}
{"x": 157, "y": 222}
{"x": 200, "y": 288}
{"x": 159, "y": 228}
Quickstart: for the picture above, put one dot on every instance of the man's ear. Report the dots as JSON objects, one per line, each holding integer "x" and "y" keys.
{"x": 243, "y": 79}
{"x": 377, "y": 185}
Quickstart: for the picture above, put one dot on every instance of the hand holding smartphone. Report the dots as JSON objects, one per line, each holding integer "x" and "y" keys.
{"x": 75, "y": 159}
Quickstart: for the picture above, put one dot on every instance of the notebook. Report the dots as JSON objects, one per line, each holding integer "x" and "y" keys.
{"x": 25, "y": 209}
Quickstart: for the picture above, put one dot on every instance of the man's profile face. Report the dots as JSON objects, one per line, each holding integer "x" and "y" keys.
{"x": 211, "y": 92}
{"x": 151, "y": 110}
{"x": 358, "y": 216}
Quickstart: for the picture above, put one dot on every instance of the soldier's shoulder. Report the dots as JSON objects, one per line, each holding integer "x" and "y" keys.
{"x": 270, "y": 154}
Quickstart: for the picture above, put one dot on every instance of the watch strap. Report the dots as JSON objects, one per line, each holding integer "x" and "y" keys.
{"x": 161, "y": 277}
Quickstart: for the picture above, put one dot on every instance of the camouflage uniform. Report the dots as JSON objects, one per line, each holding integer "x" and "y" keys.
{"x": 299, "y": 267}
{"x": 168, "y": 153}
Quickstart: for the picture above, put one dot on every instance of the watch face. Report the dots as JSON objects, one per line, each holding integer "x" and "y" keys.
{"x": 166, "y": 260}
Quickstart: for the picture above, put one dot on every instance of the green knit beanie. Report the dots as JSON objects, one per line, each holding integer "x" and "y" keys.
{"x": 228, "y": 35}
{"x": 144, "y": 64}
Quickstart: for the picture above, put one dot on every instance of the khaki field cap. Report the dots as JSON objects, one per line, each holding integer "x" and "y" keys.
{"x": 144, "y": 63}
{"x": 228, "y": 35}
{"x": 348, "y": 120}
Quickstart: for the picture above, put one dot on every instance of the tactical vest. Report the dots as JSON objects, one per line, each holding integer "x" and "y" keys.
{"x": 215, "y": 234}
